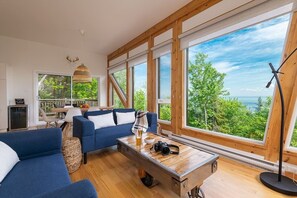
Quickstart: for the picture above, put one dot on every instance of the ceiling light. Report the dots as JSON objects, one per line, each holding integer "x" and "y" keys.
{"x": 82, "y": 74}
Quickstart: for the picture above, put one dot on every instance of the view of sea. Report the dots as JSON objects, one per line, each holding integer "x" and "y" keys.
{"x": 251, "y": 102}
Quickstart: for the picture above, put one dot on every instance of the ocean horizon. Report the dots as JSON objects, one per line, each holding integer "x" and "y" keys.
{"x": 251, "y": 102}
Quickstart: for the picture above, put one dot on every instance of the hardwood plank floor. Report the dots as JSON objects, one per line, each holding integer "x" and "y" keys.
{"x": 114, "y": 175}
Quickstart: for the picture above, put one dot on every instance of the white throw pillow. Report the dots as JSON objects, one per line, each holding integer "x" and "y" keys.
{"x": 8, "y": 159}
{"x": 101, "y": 121}
{"x": 125, "y": 117}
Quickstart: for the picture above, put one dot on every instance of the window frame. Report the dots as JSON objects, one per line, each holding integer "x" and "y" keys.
{"x": 132, "y": 82}
{"x": 36, "y": 91}
{"x": 158, "y": 100}
{"x": 293, "y": 122}
{"x": 220, "y": 134}
{"x": 113, "y": 91}
{"x": 116, "y": 81}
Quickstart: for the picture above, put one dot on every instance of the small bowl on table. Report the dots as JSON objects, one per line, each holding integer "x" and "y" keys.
{"x": 149, "y": 140}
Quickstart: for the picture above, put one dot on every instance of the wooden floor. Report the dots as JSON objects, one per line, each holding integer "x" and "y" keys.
{"x": 114, "y": 175}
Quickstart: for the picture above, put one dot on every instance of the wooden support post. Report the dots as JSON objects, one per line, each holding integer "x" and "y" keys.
{"x": 128, "y": 87}
{"x": 151, "y": 78}
{"x": 288, "y": 82}
{"x": 177, "y": 79}
{"x": 118, "y": 91}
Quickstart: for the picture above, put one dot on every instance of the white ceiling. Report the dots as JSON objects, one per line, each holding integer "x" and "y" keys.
{"x": 108, "y": 24}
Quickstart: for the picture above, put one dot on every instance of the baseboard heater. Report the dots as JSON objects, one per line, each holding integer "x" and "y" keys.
{"x": 227, "y": 152}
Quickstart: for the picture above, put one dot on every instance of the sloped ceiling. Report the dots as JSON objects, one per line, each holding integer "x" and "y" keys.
{"x": 108, "y": 24}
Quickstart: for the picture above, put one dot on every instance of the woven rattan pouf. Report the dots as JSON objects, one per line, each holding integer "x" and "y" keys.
{"x": 72, "y": 153}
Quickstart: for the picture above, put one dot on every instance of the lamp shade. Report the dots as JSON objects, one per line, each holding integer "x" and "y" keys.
{"x": 82, "y": 74}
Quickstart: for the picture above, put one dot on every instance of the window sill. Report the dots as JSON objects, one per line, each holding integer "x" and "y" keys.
{"x": 164, "y": 122}
{"x": 218, "y": 134}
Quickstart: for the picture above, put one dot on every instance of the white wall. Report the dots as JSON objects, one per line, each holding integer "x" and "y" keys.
{"x": 25, "y": 58}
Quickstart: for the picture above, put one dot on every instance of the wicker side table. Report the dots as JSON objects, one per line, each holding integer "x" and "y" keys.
{"x": 71, "y": 150}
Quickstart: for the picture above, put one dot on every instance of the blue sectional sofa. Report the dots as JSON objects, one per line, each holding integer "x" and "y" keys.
{"x": 92, "y": 139}
{"x": 41, "y": 171}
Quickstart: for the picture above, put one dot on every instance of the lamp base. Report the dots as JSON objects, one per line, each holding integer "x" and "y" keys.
{"x": 285, "y": 186}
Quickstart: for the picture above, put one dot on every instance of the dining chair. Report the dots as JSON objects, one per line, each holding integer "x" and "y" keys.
{"x": 68, "y": 129}
{"x": 50, "y": 121}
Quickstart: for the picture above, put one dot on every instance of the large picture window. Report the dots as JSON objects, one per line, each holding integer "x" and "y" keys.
{"x": 226, "y": 78}
{"x": 59, "y": 90}
{"x": 164, "y": 87}
{"x": 139, "y": 86}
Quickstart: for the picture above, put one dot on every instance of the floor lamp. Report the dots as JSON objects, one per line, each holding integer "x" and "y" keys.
{"x": 274, "y": 181}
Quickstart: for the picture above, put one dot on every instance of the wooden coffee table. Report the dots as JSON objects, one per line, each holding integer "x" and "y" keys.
{"x": 183, "y": 173}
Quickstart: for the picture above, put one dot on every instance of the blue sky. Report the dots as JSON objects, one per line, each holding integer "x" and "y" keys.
{"x": 165, "y": 76}
{"x": 140, "y": 76}
{"x": 244, "y": 56}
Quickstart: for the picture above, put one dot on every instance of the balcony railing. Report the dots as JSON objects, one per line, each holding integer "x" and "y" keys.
{"x": 48, "y": 104}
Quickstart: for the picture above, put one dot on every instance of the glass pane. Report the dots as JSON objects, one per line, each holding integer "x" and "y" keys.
{"x": 294, "y": 135}
{"x": 227, "y": 77}
{"x": 117, "y": 103}
{"x": 164, "y": 87}
{"x": 53, "y": 91}
{"x": 121, "y": 80}
{"x": 165, "y": 77}
{"x": 139, "y": 86}
{"x": 164, "y": 112}
{"x": 85, "y": 93}
{"x": 54, "y": 86}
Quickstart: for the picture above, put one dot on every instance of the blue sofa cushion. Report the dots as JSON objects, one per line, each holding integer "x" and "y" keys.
{"x": 121, "y": 111}
{"x": 35, "y": 176}
{"x": 107, "y": 136}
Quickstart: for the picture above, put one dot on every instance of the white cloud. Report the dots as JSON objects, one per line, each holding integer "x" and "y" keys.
{"x": 266, "y": 34}
{"x": 225, "y": 67}
{"x": 274, "y": 32}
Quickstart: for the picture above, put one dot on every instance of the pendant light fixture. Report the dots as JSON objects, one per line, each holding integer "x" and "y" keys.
{"x": 82, "y": 73}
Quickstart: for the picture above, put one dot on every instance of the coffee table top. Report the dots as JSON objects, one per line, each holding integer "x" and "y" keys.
{"x": 180, "y": 165}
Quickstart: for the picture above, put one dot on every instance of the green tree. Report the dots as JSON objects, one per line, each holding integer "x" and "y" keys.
{"x": 294, "y": 136}
{"x": 140, "y": 100}
{"x": 209, "y": 109}
{"x": 54, "y": 86}
{"x": 121, "y": 79}
{"x": 235, "y": 118}
{"x": 260, "y": 104}
{"x": 165, "y": 112}
{"x": 260, "y": 118}
{"x": 206, "y": 85}
{"x": 85, "y": 90}
{"x": 117, "y": 103}
{"x": 232, "y": 117}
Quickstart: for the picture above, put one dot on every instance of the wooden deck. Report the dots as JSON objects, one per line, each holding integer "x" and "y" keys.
{"x": 114, "y": 175}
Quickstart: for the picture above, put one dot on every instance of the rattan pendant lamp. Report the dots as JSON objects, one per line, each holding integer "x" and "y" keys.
{"x": 82, "y": 73}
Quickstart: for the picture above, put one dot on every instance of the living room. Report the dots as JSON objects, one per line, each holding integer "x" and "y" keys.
{"x": 200, "y": 68}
